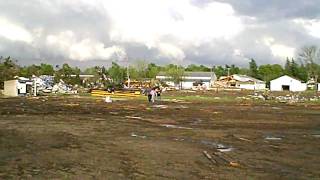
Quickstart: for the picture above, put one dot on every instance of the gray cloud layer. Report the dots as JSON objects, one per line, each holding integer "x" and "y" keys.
{"x": 85, "y": 34}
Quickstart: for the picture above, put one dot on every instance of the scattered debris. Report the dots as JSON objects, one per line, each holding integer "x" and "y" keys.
{"x": 108, "y": 99}
{"x": 225, "y": 149}
{"x": 139, "y": 136}
{"x": 221, "y": 157}
{"x": 244, "y": 139}
{"x": 208, "y": 156}
{"x": 218, "y": 146}
{"x": 174, "y": 126}
{"x": 160, "y": 106}
{"x": 181, "y": 107}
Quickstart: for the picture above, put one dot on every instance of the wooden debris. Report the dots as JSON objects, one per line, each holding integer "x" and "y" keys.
{"x": 226, "y": 160}
{"x": 244, "y": 139}
{"x": 208, "y": 156}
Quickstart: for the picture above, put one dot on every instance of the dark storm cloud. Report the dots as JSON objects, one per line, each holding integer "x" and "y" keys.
{"x": 261, "y": 19}
{"x": 275, "y": 9}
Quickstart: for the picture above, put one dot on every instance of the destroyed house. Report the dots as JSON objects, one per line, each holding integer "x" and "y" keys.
{"x": 241, "y": 82}
{"x": 189, "y": 79}
{"x": 18, "y": 87}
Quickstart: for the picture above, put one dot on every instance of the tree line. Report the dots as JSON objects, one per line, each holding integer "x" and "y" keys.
{"x": 305, "y": 67}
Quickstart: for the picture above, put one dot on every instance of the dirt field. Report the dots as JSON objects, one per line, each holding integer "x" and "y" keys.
{"x": 86, "y": 138}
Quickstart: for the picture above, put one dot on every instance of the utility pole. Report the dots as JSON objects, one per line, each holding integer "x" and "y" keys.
{"x": 128, "y": 72}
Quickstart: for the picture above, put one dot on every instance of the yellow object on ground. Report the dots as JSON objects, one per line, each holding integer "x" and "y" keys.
{"x": 120, "y": 94}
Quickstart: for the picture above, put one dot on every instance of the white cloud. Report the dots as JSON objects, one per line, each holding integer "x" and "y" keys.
{"x": 14, "y": 32}
{"x": 171, "y": 51}
{"x": 82, "y": 50}
{"x": 149, "y": 22}
{"x": 282, "y": 51}
{"x": 311, "y": 25}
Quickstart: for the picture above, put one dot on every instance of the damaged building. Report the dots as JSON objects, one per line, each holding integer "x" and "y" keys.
{"x": 240, "y": 82}
{"x": 17, "y": 87}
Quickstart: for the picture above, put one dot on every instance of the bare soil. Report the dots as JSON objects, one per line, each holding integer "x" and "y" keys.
{"x": 86, "y": 138}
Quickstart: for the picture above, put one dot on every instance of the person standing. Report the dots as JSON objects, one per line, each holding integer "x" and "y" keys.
{"x": 153, "y": 94}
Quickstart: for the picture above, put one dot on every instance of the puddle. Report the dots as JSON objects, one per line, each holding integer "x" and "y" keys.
{"x": 139, "y": 136}
{"x": 276, "y": 108}
{"x": 174, "y": 126}
{"x": 134, "y": 117}
{"x": 272, "y": 138}
{"x": 225, "y": 149}
{"x": 316, "y": 135}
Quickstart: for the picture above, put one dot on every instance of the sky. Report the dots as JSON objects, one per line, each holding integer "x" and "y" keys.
{"x": 210, "y": 32}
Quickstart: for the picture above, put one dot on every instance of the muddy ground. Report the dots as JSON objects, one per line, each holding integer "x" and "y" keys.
{"x": 86, "y": 138}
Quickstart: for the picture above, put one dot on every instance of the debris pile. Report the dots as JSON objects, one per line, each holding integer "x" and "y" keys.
{"x": 63, "y": 88}
{"x": 44, "y": 83}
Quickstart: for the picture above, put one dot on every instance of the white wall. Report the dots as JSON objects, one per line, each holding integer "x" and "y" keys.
{"x": 10, "y": 88}
{"x": 185, "y": 84}
{"x": 294, "y": 85}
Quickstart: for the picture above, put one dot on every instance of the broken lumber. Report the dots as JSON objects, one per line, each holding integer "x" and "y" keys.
{"x": 208, "y": 156}
{"x": 226, "y": 160}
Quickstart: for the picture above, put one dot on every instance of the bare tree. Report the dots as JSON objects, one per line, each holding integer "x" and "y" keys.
{"x": 310, "y": 56}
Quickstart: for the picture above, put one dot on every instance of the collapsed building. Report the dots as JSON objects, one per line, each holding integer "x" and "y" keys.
{"x": 240, "y": 82}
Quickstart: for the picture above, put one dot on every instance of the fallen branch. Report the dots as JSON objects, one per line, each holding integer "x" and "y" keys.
{"x": 208, "y": 156}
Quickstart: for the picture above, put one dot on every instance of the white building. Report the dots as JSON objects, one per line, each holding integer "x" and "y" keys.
{"x": 17, "y": 87}
{"x": 287, "y": 83}
{"x": 190, "y": 79}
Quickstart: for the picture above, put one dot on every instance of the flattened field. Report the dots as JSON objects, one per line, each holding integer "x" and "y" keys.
{"x": 86, "y": 138}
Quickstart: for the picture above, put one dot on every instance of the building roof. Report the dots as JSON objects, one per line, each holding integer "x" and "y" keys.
{"x": 241, "y": 78}
{"x": 245, "y": 78}
{"x": 288, "y": 77}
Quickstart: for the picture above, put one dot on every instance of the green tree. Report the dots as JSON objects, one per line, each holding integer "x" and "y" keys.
{"x": 196, "y": 68}
{"x": 220, "y": 71}
{"x": 68, "y": 74}
{"x": 141, "y": 69}
{"x": 46, "y": 69}
{"x": 117, "y": 73}
{"x": 152, "y": 70}
{"x": 288, "y": 68}
{"x": 8, "y": 69}
{"x": 253, "y": 69}
{"x": 269, "y": 72}
{"x": 175, "y": 73}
